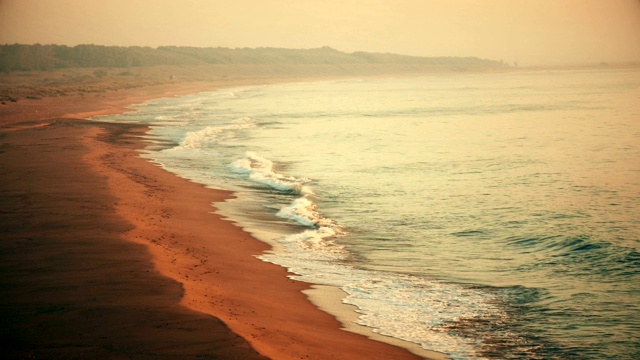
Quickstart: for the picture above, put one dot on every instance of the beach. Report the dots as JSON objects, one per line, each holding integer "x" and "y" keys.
{"x": 106, "y": 255}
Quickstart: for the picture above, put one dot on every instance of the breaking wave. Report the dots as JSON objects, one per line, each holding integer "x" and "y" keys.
{"x": 210, "y": 135}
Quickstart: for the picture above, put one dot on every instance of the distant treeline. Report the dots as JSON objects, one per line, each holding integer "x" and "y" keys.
{"x": 19, "y": 57}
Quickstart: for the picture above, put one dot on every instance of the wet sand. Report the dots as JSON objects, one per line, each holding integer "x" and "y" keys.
{"x": 105, "y": 255}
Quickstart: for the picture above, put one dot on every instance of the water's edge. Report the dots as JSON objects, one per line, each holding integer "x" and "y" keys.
{"x": 327, "y": 298}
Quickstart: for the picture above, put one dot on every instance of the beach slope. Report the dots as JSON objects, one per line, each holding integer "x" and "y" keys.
{"x": 105, "y": 255}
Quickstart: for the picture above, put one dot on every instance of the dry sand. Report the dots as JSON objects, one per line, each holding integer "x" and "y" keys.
{"x": 105, "y": 255}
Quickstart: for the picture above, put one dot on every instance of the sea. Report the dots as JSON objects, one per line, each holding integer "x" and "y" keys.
{"x": 484, "y": 216}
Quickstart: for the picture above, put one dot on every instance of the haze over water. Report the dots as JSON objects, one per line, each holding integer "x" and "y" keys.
{"x": 484, "y": 216}
{"x": 529, "y": 32}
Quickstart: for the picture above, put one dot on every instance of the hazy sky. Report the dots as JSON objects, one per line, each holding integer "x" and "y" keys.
{"x": 528, "y": 31}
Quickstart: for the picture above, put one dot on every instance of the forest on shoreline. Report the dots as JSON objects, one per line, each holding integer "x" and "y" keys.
{"x": 19, "y": 57}
{"x": 40, "y": 71}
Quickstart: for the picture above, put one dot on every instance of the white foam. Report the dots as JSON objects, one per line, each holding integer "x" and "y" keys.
{"x": 164, "y": 117}
{"x": 204, "y": 138}
{"x": 316, "y": 242}
{"x": 303, "y": 211}
{"x": 194, "y": 140}
{"x": 261, "y": 170}
{"x": 405, "y": 307}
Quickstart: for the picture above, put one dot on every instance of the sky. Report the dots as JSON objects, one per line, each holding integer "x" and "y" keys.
{"x": 530, "y": 32}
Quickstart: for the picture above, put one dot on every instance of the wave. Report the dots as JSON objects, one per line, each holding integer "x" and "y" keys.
{"x": 580, "y": 255}
{"x": 303, "y": 211}
{"x": 318, "y": 239}
{"x": 210, "y": 135}
{"x": 261, "y": 170}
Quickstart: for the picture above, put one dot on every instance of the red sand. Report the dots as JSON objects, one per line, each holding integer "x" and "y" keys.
{"x": 107, "y": 255}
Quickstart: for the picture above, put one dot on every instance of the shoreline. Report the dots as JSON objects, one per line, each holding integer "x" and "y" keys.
{"x": 219, "y": 277}
{"x": 72, "y": 287}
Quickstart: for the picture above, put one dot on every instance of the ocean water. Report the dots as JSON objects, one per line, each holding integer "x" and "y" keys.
{"x": 485, "y": 216}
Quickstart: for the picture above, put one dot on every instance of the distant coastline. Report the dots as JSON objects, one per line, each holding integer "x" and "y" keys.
{"x": 19, "y": 57}
{"x": 43, "y": 71}
{"x": 40, "y": 71}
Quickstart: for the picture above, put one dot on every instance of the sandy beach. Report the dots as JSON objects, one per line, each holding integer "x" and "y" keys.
{"x": 106, "y": 255}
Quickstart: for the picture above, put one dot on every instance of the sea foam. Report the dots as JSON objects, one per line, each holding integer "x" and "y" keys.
{"x": 261, "y": 170}
{"x": 317, "y": 240}
{"x": 212, "y": 134}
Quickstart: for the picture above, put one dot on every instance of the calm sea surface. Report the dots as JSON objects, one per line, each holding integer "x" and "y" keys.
{"x": 484, "y": 216}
